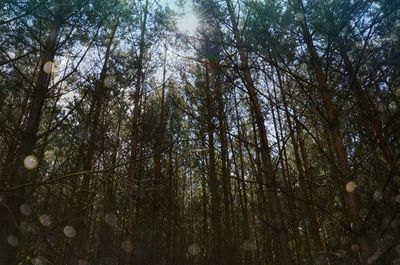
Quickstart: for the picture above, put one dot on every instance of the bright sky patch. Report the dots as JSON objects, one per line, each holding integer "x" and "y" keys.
{"x": 188, "y": 23}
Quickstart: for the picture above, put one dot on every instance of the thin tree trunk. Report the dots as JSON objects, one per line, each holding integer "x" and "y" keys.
{"x": 302, "y": 168}
{"x": 133, "y": 186}
{"x": 225, "y": 172}
{"x": 82, "y": 228}
{"x": 241, "y": 185}
{"x": 205, "y": 222}
{"x": 9, "y": 209}
{"x": 277, "y": 121}
{"x": 105, "y": 245}
{"x": 333, "y": 126}
{"x": 217, "y": 255}
{"x": 371, "y": 121}
{"x": 276, "y": 211}
{"x": 158, "y": 149}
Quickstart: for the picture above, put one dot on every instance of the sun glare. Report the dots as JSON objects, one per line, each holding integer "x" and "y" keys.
{"x": 188, "y": 23}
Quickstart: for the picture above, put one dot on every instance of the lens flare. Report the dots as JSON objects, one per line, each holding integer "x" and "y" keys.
{"x": 188, "y": 23}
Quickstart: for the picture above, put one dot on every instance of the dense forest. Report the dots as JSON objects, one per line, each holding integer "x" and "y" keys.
{"x": 205, "y": 132}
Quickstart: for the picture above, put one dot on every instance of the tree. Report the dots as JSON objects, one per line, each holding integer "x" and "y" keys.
{"x": 266, "y": 134}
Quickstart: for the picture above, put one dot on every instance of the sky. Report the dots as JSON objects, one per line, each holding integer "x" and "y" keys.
{"x": 188, "y": 22}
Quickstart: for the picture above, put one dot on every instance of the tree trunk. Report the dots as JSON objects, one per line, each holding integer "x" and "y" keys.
{"x": 80, "y": 241}
{"x": 333, "y": 125}
{"x": 304, "y": 173}
{"x": 241, "y": 185}
{"x": 225, "y": 170}
{"x": 217, "y": 255}
{"x": 276, "y": 211}
{"x": 9, "y": 209}
{"x": 158, "y": 150}
{"x": 277, "y": 121}
{"x": 133, "y": 186}
{"x": 371, "y": 121}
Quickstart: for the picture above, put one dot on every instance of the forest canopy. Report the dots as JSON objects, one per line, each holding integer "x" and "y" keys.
{"x": 205, "y": 132}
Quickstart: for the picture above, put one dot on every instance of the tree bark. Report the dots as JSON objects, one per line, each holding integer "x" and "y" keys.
{"x": 218, "y": 243}
{"x": 133, "y": 185}
{"x": 276, "y": 211}
{"x": 81, "y": 226}
{"x": 333, "y": 126}
{"x": 9, "y": 209}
